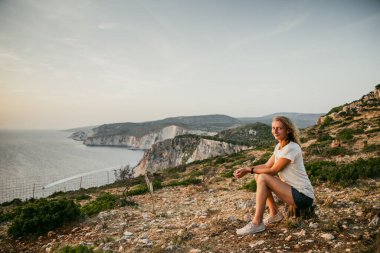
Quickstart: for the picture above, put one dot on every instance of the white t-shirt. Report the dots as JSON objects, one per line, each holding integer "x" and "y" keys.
{"x": 294, "y": 173}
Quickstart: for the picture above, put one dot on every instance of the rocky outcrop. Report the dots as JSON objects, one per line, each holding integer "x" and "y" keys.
{"x": 369, "y": 102}
{"x": 183, "y": 150}
{"x": 143, "y": 142}
{"x": 78, "y": 136}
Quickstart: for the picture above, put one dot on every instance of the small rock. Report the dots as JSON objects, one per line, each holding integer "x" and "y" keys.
{"x": 193, "y": 225}
{"x": 258, "y": 243}
{"x": 231, "y": 219}
{"x": 170, "y": 247}
{"x": 89, "y": 234}
{"x": 51, "y": 234}
{"x": 203, "y": 226}
{"x": 104, "y": 215}
{"x": 309, "y": 241}
{"x": 75, "y": 230}
{"x": 327, "y": 236}
{"x": 288, "y": 238}
{"x": 128, "y": 234}
{"x": 181, "y": 232}
{"x": 244, "y": 204}
{"x": 195, "y": 251}
{"x": 313, "y": 225}
{"x": 248, "y": 217}
{"x": 301, "y": 233}
{"x": 145, "y": 241}
{"x": 374, "y": 222}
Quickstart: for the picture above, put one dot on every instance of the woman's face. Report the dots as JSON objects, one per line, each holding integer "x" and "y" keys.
{"x": 279, "y": 130}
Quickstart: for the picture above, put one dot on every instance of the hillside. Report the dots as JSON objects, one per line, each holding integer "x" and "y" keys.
{"x": 257, "y": 135}
{"x": 197, "y": 207}
{"x": 347, "y": 132}
{"x": 302, "y": 120}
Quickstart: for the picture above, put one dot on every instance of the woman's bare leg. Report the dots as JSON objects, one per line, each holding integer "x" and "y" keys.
{"x": 265, "y": 185}
{"x": 270, "y": 201}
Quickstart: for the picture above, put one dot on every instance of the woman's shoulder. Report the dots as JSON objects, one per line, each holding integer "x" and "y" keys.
{"x": 293, "y": 145}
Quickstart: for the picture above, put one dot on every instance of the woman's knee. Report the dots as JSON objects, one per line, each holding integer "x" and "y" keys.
{"x": 261, "y": 178}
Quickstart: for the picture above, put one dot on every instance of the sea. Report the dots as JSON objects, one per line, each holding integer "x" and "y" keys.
{"x": 35, "y": 164}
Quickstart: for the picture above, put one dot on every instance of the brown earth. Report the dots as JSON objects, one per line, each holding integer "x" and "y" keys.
{"x": 204, "y": 219}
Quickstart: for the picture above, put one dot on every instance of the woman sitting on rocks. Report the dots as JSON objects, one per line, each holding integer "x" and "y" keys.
{"x": 292, "y": 186}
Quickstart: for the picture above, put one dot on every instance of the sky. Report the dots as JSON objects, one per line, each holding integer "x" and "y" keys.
{"x": 73, "y": 63}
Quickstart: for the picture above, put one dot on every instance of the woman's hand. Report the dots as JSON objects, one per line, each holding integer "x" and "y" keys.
{"x": 239, "y": 173}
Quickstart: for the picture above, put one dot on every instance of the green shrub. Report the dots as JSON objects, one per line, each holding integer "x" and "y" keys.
{"x": 7, "y": 216}
{"x": 14, "y": 202}
{"x": 344, "y": 174}
{"x": 42, "y": 216}
{"x": 335, "y": 109}
{"x": 195, "y": 173}
{"x": 185, "y": 182}
{"x": 138, "y": 190}
{"x": 228, "y": 173}
{"x": 324, "y": 137}
{"x": 220, "y": 160}
{"x": 83, "y": 197}
{"x": 323, "y": 149}
{"x": 77, "y": 249}
{"x": 348, "y": 134}
{"x": 371, "y": 148}
{"x": 143, "y": 188}
{"x": 104, "y": 202}
{"x": 337, "y": 151}
{"x": 327, "y": 121}
{"x": 251, "y": 186}
{"x": 373, "y": 130}
{"x": 263, "y": 159}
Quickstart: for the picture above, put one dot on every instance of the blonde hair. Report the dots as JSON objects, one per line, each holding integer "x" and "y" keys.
{"x": 294, "y": 134}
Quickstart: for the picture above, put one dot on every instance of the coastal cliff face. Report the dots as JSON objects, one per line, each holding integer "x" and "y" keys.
{"x": 182, "y": 150}
{"x": 143, "y": 142}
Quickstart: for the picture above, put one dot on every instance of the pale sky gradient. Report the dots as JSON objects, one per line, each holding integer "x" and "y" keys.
{"x": 74, "y": 63}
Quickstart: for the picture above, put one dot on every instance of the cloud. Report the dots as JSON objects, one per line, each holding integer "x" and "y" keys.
{"x": 107, "y": 26}
{"x": 283, "y": 27}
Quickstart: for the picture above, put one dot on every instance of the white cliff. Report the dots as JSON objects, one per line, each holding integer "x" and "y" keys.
{"x": 182, "y": 150}
{"x": 144, "y": 142}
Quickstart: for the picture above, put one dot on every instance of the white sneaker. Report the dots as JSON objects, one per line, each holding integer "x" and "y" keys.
{"x": 274, "y": 219}
{"x": 250, "y": 228}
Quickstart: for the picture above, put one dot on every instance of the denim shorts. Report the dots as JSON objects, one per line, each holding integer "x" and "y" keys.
{"x": 302, "y": 201}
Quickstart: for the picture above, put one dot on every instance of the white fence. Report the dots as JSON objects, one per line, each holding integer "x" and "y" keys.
{"x": 33, "y": 188}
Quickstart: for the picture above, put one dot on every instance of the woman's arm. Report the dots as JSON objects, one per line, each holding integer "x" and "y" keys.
{"x": 276, "y": 167}
{"x": 270, "y": 167}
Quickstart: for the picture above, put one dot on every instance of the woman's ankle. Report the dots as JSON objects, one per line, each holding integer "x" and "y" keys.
{"x": 273, "y": 212}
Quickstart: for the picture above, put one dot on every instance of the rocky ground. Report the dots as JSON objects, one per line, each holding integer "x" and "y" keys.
{"x": 204, "y": 218}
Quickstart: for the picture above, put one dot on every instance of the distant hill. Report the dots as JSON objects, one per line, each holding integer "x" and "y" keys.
{"x": 254, "y": 135}
{"x": 302, "y": 120}
{"x": 207, "y": 123}
{"x": 144, "y": 134}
